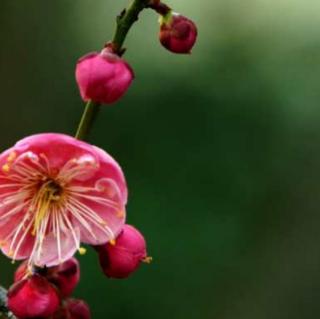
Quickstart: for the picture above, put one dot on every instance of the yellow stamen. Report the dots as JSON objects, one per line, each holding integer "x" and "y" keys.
{"x": 120, "y": 214}
{"x": 82, "y": 251}
{"x": 112, "y": 242}
{"x": 43, "y": 206}
{"x": 29, "y": 273}
{"x": 12, "y": 157}
{"x": 147, "y": 260}
{"x": 6, "y": 168}
{"x": 2, "y": 243}
{"x": 47, "y": 195}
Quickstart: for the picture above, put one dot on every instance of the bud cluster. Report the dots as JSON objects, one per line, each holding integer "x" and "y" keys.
{"x": 105, "y": 77}
{"x": 46, "y": 292}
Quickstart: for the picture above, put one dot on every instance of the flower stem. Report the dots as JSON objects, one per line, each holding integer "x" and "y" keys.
{"x": 159, "y": 7}
{"x": 89, "y": 115}
{"x": 124, "y": 22}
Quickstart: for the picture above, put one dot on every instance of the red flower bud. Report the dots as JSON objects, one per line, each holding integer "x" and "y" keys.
{"x": 73, "y": 309}
{"x": 103, "y": 77}
{"x": 78, "y": 309}
{"x": 122, "y": 257}
{"x": 34, "y": 297}
{"x": 65, "y": 276}
{"x": 178, "y": 34}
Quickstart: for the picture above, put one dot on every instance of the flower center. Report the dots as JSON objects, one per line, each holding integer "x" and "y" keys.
{"x": 53, "y": 189}
{"x": 49, "y": 193}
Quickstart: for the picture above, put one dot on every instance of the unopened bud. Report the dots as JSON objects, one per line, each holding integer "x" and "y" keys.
{"x": 103, "y": 77}
{"x": 33, "y": 297}
{"x": 123, "y": 257}
{"x": 65, "y": 276}
{"x": 73, "y": 309}
{"x": 178, "y": 34}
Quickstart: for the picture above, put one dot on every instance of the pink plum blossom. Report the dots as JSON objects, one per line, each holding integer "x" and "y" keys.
{"x": 103, "y": 77}
{"x": 56, "y": 192}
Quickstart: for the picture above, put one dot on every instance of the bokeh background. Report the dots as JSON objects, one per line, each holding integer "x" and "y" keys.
{"x": 221, "y": 149}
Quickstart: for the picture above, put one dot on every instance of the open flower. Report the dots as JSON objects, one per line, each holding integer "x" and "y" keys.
{"x": 55, "y": 192}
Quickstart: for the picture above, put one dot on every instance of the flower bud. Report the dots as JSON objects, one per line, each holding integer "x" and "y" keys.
{"x": 73, "y": 309}
{"x": 78, "y": 309}
{"x": 120, "y": 258}
{"x": 178, "y": 34}
{"x": 65, "y": 276}
{"x": 34, "y": 297}
{"x": 103, "y": 77}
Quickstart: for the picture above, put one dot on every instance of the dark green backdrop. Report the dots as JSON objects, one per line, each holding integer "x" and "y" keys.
{"x": 221, "y": 150}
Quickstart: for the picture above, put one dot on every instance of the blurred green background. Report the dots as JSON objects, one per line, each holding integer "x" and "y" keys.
{"x": 221, "y": 149}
